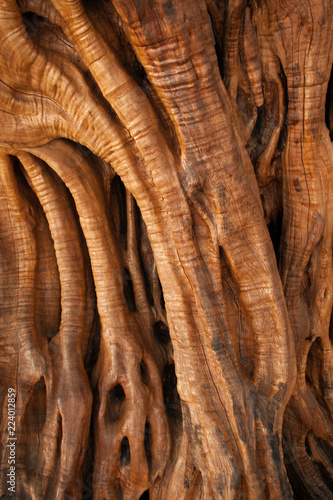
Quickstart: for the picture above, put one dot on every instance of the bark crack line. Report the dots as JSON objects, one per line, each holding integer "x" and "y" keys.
{"x": 30, "y": 95}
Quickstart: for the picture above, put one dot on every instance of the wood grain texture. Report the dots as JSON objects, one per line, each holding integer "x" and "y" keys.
{"x": 166, "y": 248}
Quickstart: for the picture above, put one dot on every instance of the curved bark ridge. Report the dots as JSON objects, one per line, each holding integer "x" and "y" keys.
{"x": 166, "y": 248}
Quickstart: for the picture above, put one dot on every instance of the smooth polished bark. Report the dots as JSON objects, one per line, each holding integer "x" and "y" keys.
{"x": 166, "y": 178}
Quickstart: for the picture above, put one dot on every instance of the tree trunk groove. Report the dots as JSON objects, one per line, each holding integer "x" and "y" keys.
{"x": 166, "y": 249}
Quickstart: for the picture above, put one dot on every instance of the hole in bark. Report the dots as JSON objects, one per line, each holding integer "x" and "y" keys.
{"x": 148, "y": 440}
{"x": 128, "y": 290}
{"x": 125, "y": 452}
{"x": 115, "y": 404}
{"x": 33, "y": 23}
{"x": 171, "y": 396}
{"x": 161, "y": 333}
{"x": 144, "y": 372}
{"x": 145, "y": 495}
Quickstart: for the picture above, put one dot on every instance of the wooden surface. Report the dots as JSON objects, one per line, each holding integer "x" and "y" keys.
{"x": 166, "y": 225}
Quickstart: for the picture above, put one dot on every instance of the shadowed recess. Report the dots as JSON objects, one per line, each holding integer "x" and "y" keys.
{"x": 171, "y": 396}
{"x": 329, "y": 106}
{"x": 161, "y": 333}
{"x": 128, "y": 290}
{"x": 118, "y": 209}
{"x": 125, "y": 452}
{"x": 148, "y": 440}
{"x": 116, "y": 404}
{"x": 144, "y": 372}
{"x": 145, "y": 495}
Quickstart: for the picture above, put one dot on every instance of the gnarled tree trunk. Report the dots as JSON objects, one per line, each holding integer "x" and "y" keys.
{"x": 166, "y": 207}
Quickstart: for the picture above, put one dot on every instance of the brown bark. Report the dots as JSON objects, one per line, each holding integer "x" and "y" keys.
{"x": 166, "y": 248}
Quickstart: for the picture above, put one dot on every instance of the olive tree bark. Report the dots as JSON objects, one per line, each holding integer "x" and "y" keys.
{"x": 166, "y": 187}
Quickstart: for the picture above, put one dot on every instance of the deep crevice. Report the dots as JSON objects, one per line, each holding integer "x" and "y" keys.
{"x": 171, "y": 396}
{"x": 34, "y": 23}
{"x": 307, "y": 446}
{"x": 148, "y": 441}
{"x": 329, "y": 106}
{"x": 125, "y": 452}
{"x": 146, "y": 258}
{"x": 161, "y": 333}
{"x": 115, "y": 404}
{"x": 93, "y": 346}
{"x": 128, "y": 290}
{"x": 118, "y": 210}
{"x": 162, "y": 301}
{"x": 275, "y": 229}
{"x": 144, "y": 372}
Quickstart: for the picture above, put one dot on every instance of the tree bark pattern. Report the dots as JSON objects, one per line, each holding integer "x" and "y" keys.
{"x": 166, "y": 248}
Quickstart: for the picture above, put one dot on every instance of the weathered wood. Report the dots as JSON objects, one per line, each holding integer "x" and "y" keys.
{"x": 166, "y": 248}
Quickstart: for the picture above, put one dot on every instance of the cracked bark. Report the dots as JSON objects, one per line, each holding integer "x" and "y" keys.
{"x": 166, "y": 248}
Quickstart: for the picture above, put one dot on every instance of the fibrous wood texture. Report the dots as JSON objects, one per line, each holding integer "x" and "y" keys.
{"x": 166, "y": 208}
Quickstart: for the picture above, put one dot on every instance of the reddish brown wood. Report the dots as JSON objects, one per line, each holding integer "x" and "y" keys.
{"x": 166, "y": 249}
